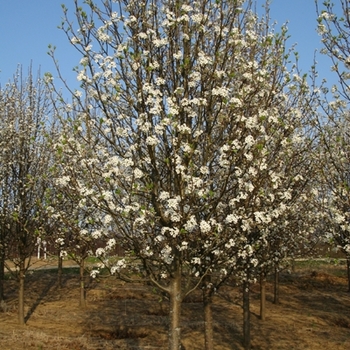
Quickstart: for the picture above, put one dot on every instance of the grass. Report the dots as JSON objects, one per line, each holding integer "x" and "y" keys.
{"x": 334, "y": 266}
{"x": 318, "y": 263}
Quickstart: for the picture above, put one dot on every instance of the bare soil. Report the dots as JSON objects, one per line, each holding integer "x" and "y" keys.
{"x": 313, "y": 314}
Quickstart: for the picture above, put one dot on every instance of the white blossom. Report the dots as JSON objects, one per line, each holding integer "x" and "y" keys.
{"x": 205, "y": 226}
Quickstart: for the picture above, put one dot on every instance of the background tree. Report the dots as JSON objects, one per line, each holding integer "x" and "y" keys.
{"x": 336, "y": 184}
{"x": 74, "y": 225}
{"x": 181, "y": 135}
{"x": 25, "y": 122}
{"x": 4, "y": 194}
{"x": 333, "y": 26}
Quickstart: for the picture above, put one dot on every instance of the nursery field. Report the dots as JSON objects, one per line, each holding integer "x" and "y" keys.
{"x": 313, "y": 314}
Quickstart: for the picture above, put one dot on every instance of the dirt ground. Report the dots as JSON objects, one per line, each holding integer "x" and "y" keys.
{"x": 313, "y": 314}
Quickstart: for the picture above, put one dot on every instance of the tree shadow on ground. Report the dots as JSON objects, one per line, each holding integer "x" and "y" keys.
{"x": 134, "y": 316}
{"x": 47, "y": 281}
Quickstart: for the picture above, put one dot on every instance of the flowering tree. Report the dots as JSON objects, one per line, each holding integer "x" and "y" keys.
{"x": 333, "y": 24}
{"x": 25, "y": 157}
{"x": 334, "y": 29}
{"x": 181, "y": 134}
{"x": 73, "y": 225}
{"x": 336, "y": 183}
{"x": 4, "y": 178}
{"x": 294, "y": 235}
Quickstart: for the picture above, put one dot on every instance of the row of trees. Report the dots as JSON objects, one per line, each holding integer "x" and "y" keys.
{"x": 193, "y": 142}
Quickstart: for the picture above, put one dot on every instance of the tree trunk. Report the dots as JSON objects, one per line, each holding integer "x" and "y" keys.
{"x": 276, "y": 285}
{"x": 293, "y": 265}
{"x": 21, "y": 293}
{"x": 59, "y": 270}
{"x": 262, "y": 296}
{"x": 246, "y": 316}
{"x": 82, "y": 284}
{"x": 2, "y": 275}
{"x": 208, "y": 316}
{"x": 175, "y": 310}
{"x": 348, "y": 267}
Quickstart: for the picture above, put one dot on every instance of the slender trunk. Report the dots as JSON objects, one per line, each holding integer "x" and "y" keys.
{"x": 246, "y": 316}
{"x": 348, "y": 267}
{"x": 293, "y": 265}
{"x": 262, "y": 296}
{"x": 208, "y": 316}
{"x": 21, "y": 293}
{"x": 82, "y": 284}
{"x": 59, "y": 271}
{"x": 2, "y": 275}
{"x": 175, "y": 310}
{"x": 276, "y": 289}
{"x": 38, "y": 244}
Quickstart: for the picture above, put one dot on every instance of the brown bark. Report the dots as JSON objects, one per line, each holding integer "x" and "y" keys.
{"x": 59, "y": 270}
{"x": 276, "y": 285}
{"x": 2, "y": 276}
{"x": 208, "y": 316}
{"x": 21, "y": 320}
{"x": 175, "y": 310}
{"x": 293, "y": 265}
{"x": 348, "y": 268}
{"x": 82, "y": 284}
{"x": 246, "y": 316}
{"x": 262, "y": 296}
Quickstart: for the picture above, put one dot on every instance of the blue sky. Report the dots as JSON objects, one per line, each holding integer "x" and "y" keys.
{"x": 28, "y": 27}
{"x": 26, "y": 30}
